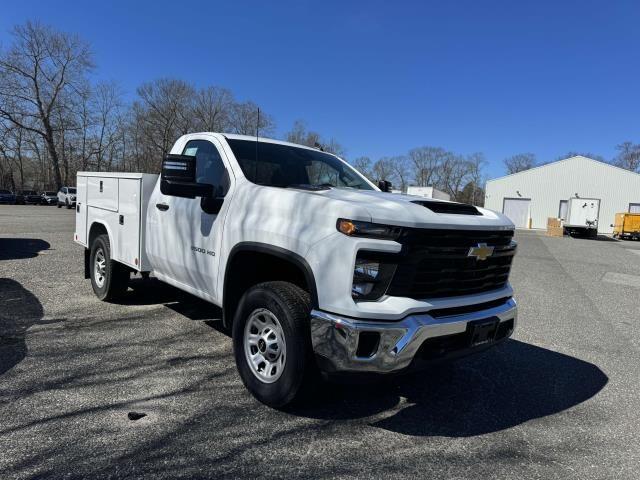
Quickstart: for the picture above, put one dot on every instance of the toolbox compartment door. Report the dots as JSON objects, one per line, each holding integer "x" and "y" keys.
{"x": 102, "y": 192}
{"x": 129, "y": 192}
{"x": 81, "y": 211}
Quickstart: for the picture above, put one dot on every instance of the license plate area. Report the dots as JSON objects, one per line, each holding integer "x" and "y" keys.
{"x": 481, "y": 332}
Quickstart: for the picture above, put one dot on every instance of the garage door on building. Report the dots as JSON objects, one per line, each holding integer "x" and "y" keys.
{"x": 517, "y": 209}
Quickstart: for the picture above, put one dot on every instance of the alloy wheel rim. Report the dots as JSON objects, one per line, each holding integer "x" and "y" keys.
{"x": 264, "y": 345}
{"x": 100, "y": 264}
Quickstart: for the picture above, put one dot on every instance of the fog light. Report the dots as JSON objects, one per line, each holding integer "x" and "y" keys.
{"x": 365, "y": 275}
{"x": 361, "y": 289}
{"x": 371, "y": 276}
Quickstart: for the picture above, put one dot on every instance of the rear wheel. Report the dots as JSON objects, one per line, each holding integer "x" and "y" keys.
{"x": 109, "y": 279}
{"x": 272, "y": 342}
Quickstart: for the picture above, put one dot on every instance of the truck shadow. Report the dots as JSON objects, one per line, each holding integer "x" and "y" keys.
{"x": 504, "y": 387}
{"x": 19, "y": 310}
{"x": 154, "y": 292}
{"x": 18, "y": 248}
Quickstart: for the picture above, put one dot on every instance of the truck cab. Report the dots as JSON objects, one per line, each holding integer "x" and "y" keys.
{"x": 313, "y": 267}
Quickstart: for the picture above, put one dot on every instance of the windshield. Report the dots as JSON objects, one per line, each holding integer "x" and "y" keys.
{"x": 72, "y": 190}
{"x": 29, "y": 192}
{"x": 49, "y": 194}
{"x": 286, "y": 166}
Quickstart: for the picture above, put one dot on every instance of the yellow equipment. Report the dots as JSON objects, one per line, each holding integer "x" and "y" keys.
{"x": 627, "y": 225}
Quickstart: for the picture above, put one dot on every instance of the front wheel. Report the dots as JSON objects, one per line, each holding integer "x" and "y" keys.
{"x": 272, "y": 342}
{"x": 109, "y": 279}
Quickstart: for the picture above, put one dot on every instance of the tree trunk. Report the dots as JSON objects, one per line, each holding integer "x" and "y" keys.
{"x": 51, "y": 147}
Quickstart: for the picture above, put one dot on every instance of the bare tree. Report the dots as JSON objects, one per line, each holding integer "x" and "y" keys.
{"x": 107, "y": 105}
{"x": 573, "y": 153}
{"x": 476, "y": 163}
{"x": 35, "y": 73}
{"x": 246, "y": 120}
{"x": 454, "y": 175}
{"x": 363, "y": 165}
{"x": 212, "y": 110}
{"x": 383, "y": 170}
{"x": 426, "y": 163}
{"x": 300, "y": 135}
{"x": 164, "y": 112}
{"x": 401, "y": 172}
{"x": 13, "y": 148}
{"x": 628, "y": 156}
{"x": 520, "y": 162}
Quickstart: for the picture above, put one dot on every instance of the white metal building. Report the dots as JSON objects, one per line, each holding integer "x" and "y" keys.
{"x": 528, "y": 198}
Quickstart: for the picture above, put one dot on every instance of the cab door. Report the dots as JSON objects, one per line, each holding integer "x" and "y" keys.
{"x": 183, "y": 238}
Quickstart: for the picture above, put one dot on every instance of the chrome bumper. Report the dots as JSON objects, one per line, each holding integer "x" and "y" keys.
{"x": 335, "y": 339}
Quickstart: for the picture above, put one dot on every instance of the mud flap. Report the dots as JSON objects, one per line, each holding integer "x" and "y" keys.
{"x": 87, "y": 259}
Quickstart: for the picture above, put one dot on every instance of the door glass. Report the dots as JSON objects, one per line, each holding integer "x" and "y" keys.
{"x": 209, "y": 166}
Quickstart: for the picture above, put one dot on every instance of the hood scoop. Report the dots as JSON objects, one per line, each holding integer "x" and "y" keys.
{"x": 450, "y": 208}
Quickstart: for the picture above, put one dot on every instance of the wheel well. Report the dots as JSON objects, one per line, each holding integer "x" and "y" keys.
{"x": 252, "y": 265}
{"x": 96, "y": 229}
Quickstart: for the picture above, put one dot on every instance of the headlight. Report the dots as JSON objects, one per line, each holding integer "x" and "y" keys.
{"x": 354, "y": 228}
{"x": 371, "y": 277}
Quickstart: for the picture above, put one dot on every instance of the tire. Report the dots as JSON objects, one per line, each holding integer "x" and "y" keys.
{"x": 283, "y": 380}
{"x": 114, "y": 278}
{"x": 68, "y": 205}
{"x": 58, "y": 204}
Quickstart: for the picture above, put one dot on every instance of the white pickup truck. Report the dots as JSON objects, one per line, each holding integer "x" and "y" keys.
{"x": 313, "y": 268}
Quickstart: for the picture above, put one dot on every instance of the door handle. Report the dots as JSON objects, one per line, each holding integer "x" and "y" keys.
{"x": 162, "y": 206}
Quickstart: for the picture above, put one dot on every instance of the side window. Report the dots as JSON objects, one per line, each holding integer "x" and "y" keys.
{"x": 64, "y": 190}
{"x": 209, "y": 166}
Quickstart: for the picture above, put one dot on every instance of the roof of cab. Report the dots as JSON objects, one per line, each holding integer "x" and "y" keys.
{"x": 252, "y": 138}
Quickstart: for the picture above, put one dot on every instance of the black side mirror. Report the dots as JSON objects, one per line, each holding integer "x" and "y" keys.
{"x": 384, "y": 185}
{"x": 178, "y": 178}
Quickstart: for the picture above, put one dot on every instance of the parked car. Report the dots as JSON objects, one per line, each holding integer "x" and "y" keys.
{"x": 310, "y": 264}
{"x": 7, "y": 197}
{"x": 67, "y": 197}
{"x": 48, "y": 198}
{"x": 28, "y": 197}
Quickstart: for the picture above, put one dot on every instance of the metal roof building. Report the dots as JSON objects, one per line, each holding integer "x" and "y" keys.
{"x": 529, "y": 197}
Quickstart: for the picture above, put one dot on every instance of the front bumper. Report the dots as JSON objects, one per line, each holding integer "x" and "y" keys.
{"x": 388, "y": 347}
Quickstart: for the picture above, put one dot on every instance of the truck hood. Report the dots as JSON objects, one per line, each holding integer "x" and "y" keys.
{"x": 398, "y": 209}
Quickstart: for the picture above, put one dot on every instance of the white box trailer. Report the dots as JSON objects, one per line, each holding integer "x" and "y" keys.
{"x": 428, "y": 192}
{"x": 582, "y": 216}
{"x": 99, "y": 196}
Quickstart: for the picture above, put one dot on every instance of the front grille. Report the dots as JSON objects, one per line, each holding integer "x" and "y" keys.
{"x": 435, "y": 263}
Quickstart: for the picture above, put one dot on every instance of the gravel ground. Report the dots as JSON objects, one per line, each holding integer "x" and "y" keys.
{"x": 559, "y": 400}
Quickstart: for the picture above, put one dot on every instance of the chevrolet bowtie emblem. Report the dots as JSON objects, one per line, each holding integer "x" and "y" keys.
{"x": 481, "y": 251}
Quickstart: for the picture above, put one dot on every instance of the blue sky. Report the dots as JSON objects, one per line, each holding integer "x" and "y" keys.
{"x": 383, "y": 77}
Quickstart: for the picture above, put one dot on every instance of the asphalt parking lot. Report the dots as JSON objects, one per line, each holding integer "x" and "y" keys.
{"x": 559, "y": 400}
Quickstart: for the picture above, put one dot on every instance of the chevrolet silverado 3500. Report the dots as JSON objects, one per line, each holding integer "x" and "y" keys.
{"x": 313, "y": 268}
